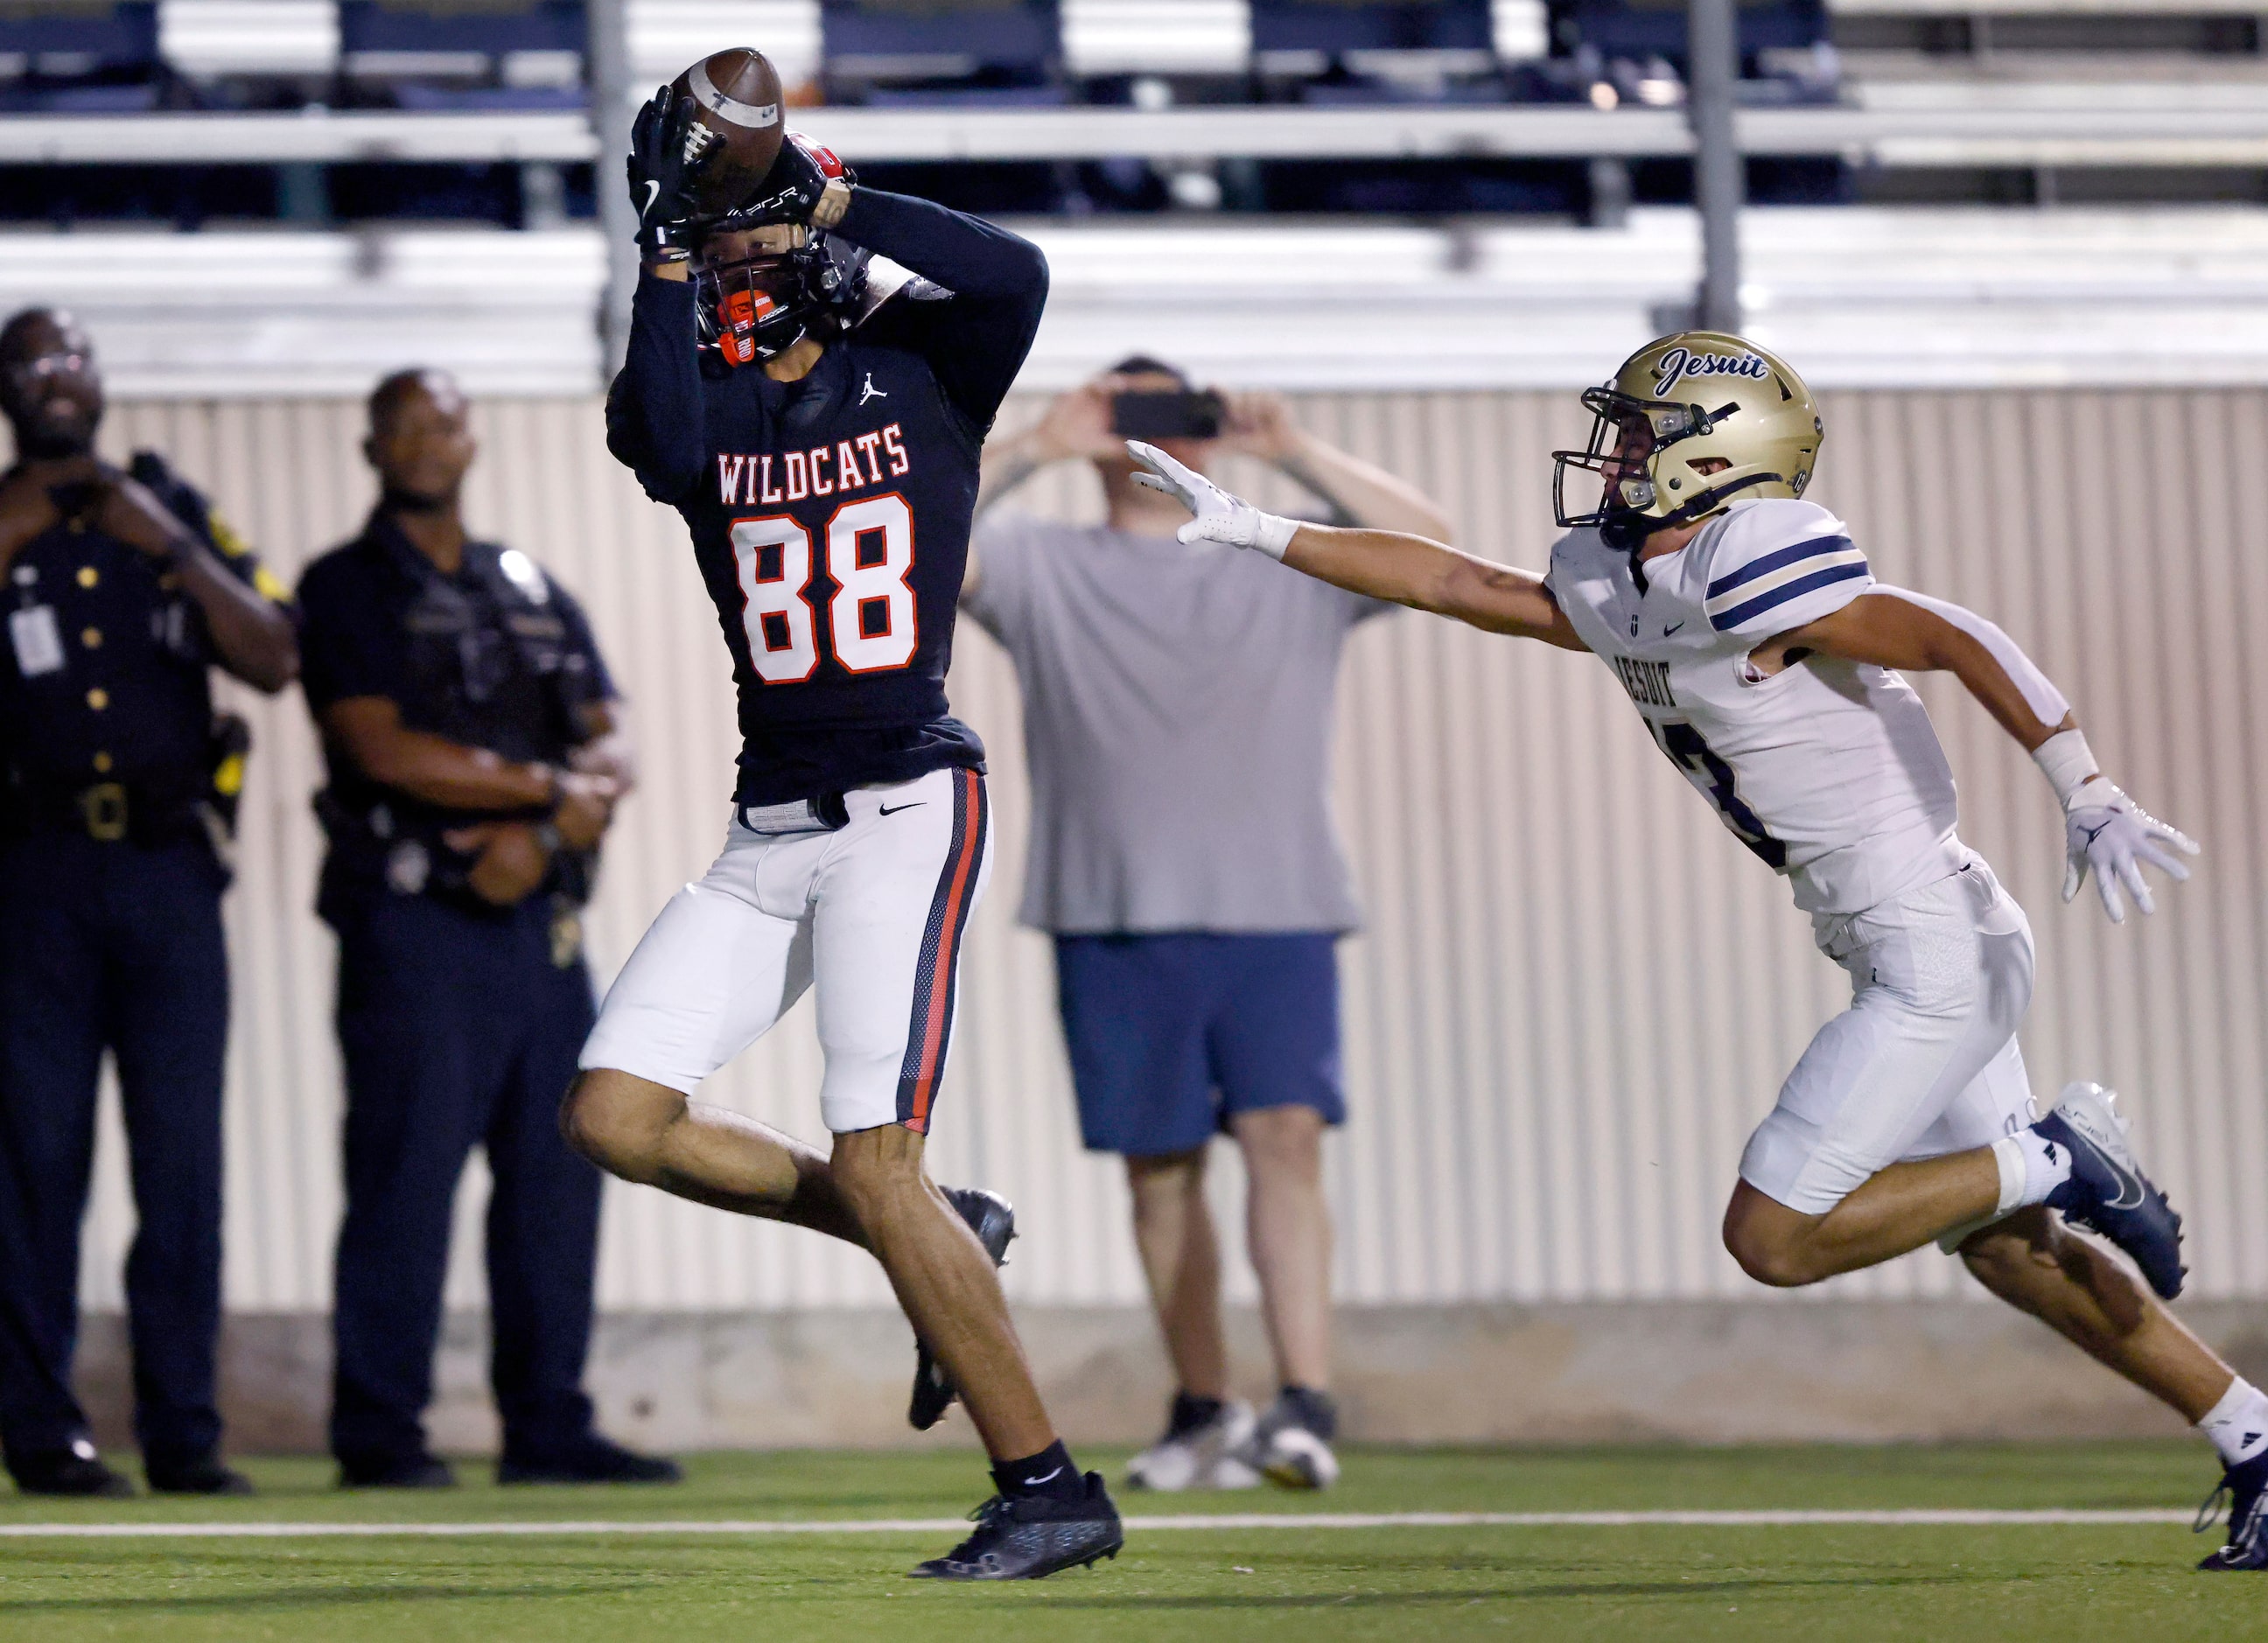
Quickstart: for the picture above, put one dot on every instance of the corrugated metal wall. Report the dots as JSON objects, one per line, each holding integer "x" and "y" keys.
{"x": 1576, "y": 993}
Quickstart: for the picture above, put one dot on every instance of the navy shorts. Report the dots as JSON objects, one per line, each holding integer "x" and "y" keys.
{"x": 1171, "y": 1035}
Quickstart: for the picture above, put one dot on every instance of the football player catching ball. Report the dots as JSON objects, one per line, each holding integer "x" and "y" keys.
{"x": 819, "y": 430}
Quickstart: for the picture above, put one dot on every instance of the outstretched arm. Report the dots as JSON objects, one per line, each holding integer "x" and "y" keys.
{"x": 1384, "y": 564}
{"x": 2104, "y": 829}
{"x": 1892, "y": 628}
{"x": 654, "y": 422}
{"x": 1431, "y": 576}
{"x": 1359, "y": 493}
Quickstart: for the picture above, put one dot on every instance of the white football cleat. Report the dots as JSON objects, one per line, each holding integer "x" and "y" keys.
{"x": 1207, "y": 1456}
{"x": 1289, "y": 1451}
{"x": 1296, "y": 1458}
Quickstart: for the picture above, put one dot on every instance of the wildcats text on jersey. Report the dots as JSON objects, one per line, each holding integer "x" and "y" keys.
{"x": 804, "y": 497}
{"x": 836, "y": 469}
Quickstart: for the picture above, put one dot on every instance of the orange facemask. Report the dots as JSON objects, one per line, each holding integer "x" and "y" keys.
{"x": 738, "y": 312}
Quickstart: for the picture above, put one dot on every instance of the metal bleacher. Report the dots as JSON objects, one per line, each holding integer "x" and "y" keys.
{"x": 435, "y": 56}
{"x": 1004, "y": 52}
{"x": 245, "y": 82}
{"x": 1448, "y": 139}
{"x": 91, "y": 59}
{"x": 1341, "y": 55}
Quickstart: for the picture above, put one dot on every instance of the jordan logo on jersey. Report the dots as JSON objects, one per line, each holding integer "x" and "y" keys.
{"x": 1648, "y": 683}
{"x": 870, "y": 391}
{"x": 824, "y": 470}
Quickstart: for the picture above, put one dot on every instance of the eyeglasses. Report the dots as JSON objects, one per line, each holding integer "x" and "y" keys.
{"x": 27, "y": 373}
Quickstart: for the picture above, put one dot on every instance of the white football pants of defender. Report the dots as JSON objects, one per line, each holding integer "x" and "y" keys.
{"x": 1925, "y": 1061}
{"x": 872, "y": 913}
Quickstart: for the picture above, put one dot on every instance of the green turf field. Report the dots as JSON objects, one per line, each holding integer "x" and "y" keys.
{"x": 1834, "y": 1580}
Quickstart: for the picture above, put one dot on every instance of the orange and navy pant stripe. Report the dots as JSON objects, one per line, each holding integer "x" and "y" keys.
{"x": 937, "y": 972}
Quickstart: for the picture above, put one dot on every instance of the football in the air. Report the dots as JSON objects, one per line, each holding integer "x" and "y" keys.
{"x": 736, "y": 94}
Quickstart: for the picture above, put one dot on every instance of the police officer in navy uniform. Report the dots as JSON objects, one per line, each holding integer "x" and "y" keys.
{"x": 475, "y": 755}
{"x": 122, "y": 590}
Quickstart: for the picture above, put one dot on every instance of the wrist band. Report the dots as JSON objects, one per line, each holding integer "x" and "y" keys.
{"x": 818, "y": 211}
{"x": 1272, "y": 534}
{"x": 2065, "y": 758}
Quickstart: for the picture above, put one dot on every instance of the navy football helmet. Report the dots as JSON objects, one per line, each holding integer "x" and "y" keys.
{"x": 757, "y": 300}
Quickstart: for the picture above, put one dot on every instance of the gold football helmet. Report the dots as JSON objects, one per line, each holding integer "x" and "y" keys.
{"x": 1690, "y": 423}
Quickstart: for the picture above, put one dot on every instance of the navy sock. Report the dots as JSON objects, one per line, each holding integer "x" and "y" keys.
{"x": 1050, "y": 1472}
{"x": 1312, "y": 1410}
{"x": 1190, "y": 1413}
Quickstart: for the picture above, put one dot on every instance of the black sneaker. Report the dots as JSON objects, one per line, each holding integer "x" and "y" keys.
{"x": 993, "y": 1220}
{"x": 204, "y": 1475}
{"x": 2246, "y": 1486}
{"x": 590, "y": 1459}
{"x": 395, "y": 1471}
{"x": 2108, "y": 1190}
{"x": 75, "y": 1472}
{"x": 1029, "y": 1538}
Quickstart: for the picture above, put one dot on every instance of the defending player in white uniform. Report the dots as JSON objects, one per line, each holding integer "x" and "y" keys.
{"x": 1750, "y": 632}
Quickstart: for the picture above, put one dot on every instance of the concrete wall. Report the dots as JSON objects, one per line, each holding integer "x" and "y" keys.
{"x": 1575, "y": 996}
{"x": 1705, "y": 1371}
{"x": 1576, "y": 993}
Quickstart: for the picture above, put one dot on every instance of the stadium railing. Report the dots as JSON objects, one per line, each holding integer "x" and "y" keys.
{"x": 2222, "y": 126}
{"x": 316, "y": 111}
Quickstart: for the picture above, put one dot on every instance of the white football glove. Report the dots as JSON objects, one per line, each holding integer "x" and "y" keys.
{"x": 2105, "y": 830}
{"x": 1219, "y": 517}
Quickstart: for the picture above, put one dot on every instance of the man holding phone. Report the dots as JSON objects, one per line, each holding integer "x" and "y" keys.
{"x": 1177, "y": 717}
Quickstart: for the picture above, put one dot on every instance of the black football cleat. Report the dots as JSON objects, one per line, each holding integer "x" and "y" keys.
{"x": 590, "y": 1459}
{"x": 204, "y": 1475}
{"x": 993, "y": 1220}
{"x": 2108, "y": 1190}
{"x": 2245, "y": 1484}
{"x": 1029, "y": 1538}
{"x": 419, "y": 1470}
{"x": 77, "y": 1472}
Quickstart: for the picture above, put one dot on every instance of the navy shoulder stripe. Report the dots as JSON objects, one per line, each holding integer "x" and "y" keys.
{"x": 1725, "y": 621}
{"x": 1766, "y": 564}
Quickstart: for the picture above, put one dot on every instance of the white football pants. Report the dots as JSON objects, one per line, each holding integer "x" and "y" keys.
{"x": 1925, "y": 1061}
{"x": 872, "y": 914}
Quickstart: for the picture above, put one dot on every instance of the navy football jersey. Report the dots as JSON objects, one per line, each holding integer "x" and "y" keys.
{"x": 830, "y": 515}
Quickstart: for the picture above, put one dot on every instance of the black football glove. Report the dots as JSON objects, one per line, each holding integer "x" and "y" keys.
{"x": 791, "y": 189}
{"x": 669, "y": 150}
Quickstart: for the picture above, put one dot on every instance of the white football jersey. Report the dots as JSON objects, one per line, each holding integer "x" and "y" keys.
{"x": 1829, "y": 771}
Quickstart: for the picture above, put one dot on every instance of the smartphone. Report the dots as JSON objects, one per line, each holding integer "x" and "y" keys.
{"x": 1169, "y": 413}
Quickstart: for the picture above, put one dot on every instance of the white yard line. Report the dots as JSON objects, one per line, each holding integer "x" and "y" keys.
{"x": 1140, "y": 1525}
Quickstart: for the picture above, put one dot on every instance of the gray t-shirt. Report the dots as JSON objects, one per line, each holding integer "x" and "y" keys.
{"x": 1177, "y": 719}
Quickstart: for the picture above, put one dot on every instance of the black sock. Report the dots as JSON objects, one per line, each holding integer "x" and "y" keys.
{"x": 1312, "y": 1410}
{"x": 1190, "y": 1413}
{"x": 1050, "y": 1472}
